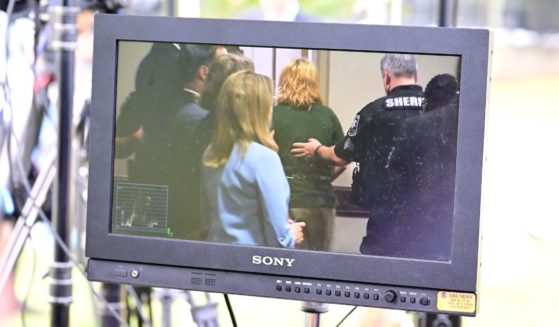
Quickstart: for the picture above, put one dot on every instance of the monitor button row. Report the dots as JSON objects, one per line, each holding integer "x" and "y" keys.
{"x": 388, "y": 296}
{"x": 296, "y": 289}
{"x": 327, "y": 292}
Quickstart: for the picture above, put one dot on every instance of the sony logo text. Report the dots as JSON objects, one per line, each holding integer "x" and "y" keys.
{"x": 272, "y": 261}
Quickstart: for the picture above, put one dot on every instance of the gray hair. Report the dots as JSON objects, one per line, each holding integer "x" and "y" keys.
{"x": 399, "y": 64}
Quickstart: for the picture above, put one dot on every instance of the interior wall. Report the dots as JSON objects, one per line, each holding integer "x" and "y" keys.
{"x": 130, "y": 54}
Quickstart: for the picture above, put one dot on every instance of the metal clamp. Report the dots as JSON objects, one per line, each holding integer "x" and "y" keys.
{"x": 60, "y": 280}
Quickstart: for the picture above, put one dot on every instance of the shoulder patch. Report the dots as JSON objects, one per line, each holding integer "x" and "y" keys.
{"x": 354, "y": 125}
{"x": 348, "y": 145}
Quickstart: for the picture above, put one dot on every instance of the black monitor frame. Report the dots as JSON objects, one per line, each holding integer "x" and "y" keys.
{"x": 107, "y": 250}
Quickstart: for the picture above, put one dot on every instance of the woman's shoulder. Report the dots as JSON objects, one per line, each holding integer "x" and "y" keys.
{"x": 325, "y": 111}
{"x": 281, "y": 106}
{"x": 279, "y": 112}
{"x": 256, "y": 149}
{"x": 322, "y": 108}
{"x": 258, "y": 154}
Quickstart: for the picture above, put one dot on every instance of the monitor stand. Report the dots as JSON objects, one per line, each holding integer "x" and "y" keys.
{"x": 312, "y": 312}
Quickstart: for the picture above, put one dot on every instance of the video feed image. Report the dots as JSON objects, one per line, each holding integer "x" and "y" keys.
{"x": 334, "y": 151}
{"x": 141, "y": 208}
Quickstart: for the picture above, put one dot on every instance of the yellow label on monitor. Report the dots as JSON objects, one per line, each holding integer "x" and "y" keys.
{"x": 456, "y": 302}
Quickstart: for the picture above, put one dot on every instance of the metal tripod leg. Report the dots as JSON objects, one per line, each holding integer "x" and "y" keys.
{"x": 27, "y": 219}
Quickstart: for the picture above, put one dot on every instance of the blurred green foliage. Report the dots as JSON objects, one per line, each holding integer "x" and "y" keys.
{"x": 331, "y": 10}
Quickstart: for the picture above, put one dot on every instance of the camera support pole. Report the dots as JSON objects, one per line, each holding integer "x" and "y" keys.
{"x": 312, "y": 312}
{"x": 447, "y": 13}
{"x": 63, "y": 19}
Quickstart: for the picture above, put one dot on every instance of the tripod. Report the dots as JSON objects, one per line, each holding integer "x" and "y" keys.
{"x": 27, "y": 219}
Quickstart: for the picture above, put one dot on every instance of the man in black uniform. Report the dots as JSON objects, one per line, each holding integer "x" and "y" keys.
{"x": 430, "y": 148}
{"x": 373, "y": 141}
{"x": 154, "y": 124}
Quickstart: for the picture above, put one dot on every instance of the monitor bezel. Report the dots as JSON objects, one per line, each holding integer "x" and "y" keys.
{"x": 472, "y": 45}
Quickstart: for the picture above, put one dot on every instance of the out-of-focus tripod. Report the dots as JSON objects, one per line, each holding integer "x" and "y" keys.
{"x": 27, "y": 219}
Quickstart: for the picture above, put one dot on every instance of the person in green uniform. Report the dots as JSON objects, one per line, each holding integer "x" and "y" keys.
{"x": 299, "y": 115}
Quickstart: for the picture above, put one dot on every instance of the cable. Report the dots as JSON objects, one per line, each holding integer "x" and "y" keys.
{"x": 58, "y": 239}
{"x": 11, "y": 134}
{"x": 32, "y": 279}
{"x": 65, "y": 248}
{"x": 347, "y": 315}
{"x": 76, "y": 264}
{"x": 230, "y": 309}
{"x": 27, "y": 187}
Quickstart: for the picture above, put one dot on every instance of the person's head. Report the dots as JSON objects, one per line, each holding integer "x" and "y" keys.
{"x": 194, "y": 64}
{"x": 220, "y": 69}
{"x": 244, "y": 115}
{"x": 157, "y": 79}
{"x": 299, "y": 85}
{"x": 398, "y": 69}
{"x": 441, "y": 90}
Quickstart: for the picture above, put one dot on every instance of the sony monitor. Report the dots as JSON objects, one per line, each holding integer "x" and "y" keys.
{"x": 201, "y": 176}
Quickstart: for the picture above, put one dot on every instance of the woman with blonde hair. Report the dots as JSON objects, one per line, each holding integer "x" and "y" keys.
{"x": 299, "y": 115}
{"x": 246, "y": 191}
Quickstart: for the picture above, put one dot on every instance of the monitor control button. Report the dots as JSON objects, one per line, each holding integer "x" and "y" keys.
{"x": 278, "y": 287}
{"x": 120, "y": 272}
{"x": 376, "y": 297}
{"x": 390, "y": 296}
{"x": 424, "y": 301}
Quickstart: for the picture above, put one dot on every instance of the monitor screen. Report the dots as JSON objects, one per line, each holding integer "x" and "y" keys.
{"x": 319, "y": 162}
{"x": 158, "y": 186}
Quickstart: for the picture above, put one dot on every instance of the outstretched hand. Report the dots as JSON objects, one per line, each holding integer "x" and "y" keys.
{"x": 297, "y": 229}
{"x": 305, "y": 149}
